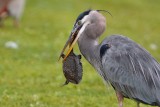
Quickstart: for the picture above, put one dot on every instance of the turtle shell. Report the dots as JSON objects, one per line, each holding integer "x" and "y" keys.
{"x": 72, "y": 68}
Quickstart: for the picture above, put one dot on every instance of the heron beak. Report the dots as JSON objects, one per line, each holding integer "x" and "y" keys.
{"x": 71, "y": 41}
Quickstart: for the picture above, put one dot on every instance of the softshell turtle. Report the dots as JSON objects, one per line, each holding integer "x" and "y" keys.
{"x": 72, "y": 68}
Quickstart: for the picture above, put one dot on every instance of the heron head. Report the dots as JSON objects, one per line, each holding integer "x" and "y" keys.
{"x": 85, "y": 22}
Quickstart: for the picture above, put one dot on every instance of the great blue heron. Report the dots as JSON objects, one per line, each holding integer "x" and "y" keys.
{"x": 128, "y": 67}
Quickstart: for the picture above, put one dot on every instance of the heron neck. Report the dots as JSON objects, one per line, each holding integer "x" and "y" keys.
{"x": 89, "y": 49}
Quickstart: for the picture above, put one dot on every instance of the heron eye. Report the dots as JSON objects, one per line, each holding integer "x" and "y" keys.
{"x": 79, "y": 22}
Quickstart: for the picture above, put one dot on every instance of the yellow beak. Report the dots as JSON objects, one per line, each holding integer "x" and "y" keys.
{"x": 71, "y": 42}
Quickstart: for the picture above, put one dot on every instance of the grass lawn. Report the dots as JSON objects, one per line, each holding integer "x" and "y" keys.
{"x": 31, "y": 75}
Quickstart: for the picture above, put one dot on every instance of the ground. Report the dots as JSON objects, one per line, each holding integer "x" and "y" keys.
{"x": 31, "y": 75}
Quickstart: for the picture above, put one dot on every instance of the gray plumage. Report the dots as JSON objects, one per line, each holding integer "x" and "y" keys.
{"x": 128, "y": 67}
{"x": 132, "y": 70}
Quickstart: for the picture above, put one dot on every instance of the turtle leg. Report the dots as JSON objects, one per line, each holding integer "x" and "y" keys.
{"x": 79, "y": 56}
{"x": 120, "y": 99}
{"x": 65, "y": 83}
{"x": 62, "y": 55}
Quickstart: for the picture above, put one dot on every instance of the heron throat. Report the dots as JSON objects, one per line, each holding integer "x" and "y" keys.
{"x": 90, "y": 50}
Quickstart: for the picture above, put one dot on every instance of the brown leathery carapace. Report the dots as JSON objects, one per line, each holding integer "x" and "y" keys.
{"x": 72, "y": 68}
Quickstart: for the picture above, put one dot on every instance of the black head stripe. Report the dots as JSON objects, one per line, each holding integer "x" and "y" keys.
{"x": 80, "y": 17}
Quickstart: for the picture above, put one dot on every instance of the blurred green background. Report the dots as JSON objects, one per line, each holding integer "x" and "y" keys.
{"x": 31, "y": 75}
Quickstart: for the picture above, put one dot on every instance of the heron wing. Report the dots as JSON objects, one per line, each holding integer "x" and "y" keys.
{"x": 132, "y": 70}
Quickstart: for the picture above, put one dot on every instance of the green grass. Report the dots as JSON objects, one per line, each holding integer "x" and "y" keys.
{"x": 31, "y": 76}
